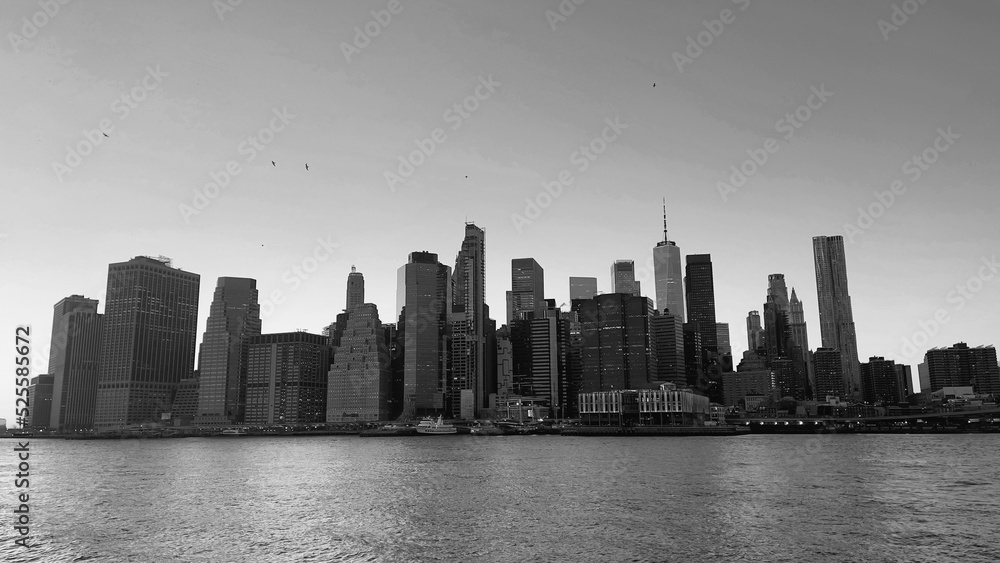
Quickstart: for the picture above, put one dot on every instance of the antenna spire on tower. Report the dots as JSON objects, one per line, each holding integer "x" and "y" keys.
{"x": 665, "y": 239}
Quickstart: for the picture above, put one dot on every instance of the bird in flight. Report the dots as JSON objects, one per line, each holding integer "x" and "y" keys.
{"x": 654, "y": 85}
{"x": 273, "y": 164}
{"x": 105, "y": 134}
{"x": 307, "y": 166}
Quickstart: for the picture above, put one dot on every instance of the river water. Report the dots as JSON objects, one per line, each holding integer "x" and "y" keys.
{"x": 509, "y": 498}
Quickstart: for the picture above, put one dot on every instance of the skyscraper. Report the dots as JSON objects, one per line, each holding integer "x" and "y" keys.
{"x": 836, "y": 318}
{"x": 582, "y": 288}
{"x": 777, "y": 289}
{"x": 287, "y": 378}
{"x": 74, "y": 357}
{"x": 360, "y": 378}
{"x": 423, "y": 302}
{"x": 961, "y": 366}
{"x": 527, "y": 294}
{"x": 880, "y": 381}
{"x": 828, "y": 373}
{"x": 616, "y": 343}
{"x": 797, "y": 323}
{"x": 233, "y": 319}
{"x": 355, "y": 289}
{"x": 700, "y": 287}
{"x": 668, "y": 339}
{"x": 549, "y": 343}
{"x": 755, "y": 332}
{"x": 667, "y": 275}
{"x": 148, "y": 344}
{"x": 623, "y": 278}
{"x": 467, "y": 387}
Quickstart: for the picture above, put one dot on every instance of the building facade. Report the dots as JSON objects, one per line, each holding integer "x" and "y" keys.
{"x": 74, "y": 360}
{"x": 960, "y": 366}
{"x": 359, "y": 387}
{"x": 148, "y": 342}
{"x": 423, "y": 302}
{"x": 582, "y": 288}
{"x": 287, "y": 379}
{"x": 836, "y": 317}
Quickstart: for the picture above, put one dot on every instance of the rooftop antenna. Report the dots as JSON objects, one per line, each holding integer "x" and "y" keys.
{"x": 665, "y": 239}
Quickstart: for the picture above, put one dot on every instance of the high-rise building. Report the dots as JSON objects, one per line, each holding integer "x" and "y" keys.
{"x": 623, "y": 278}
{"x": 829, "y": 376}
{"x": 582, "y": 288}
{"x": 549, "y": 345}
{"x": 233, "y": 319}
{"x": 739, "y": 384}
{"x": 74, "y": 358}
{"x": 148, "y": 343}
{"x": 185, "y": 404}
{"x": 287, "y": 379}
{"x": 755, "y": 332}
{"x": 700, "y": 288}
{"x": 355, "y": 289}
{"x": 903, "y": 375}
{"x": 360, "y": 380}
{"x": 40, "y": 394}
{"x": 617, "y": 346}
{"x": 468, "y": 328}
{"x": 722, "y": 337}
{"x": 836, "y": 318}
{"x": 880, "y": 381}
{"x": 961, "y": 366}
{"x": 423, "y": 302}
{"x": 667, "y": 275}
{"x": 527, "y": 294}
{"x": 668, "y": 340}
{"x": 505, "y": 373}
{"x": 777, "y": 289}
{"x": 797, "y": 322}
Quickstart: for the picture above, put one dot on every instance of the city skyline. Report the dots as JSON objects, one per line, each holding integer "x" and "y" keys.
{"x": 923, "y": 270}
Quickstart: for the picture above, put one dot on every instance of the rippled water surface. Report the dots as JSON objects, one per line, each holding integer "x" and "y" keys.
{"x": 510, "y": 498}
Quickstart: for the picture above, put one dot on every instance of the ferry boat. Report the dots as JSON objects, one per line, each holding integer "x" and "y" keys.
{"x": 234, "y": 432}
{"x": 439, "y": 426}
{"x": 485, "y": 429}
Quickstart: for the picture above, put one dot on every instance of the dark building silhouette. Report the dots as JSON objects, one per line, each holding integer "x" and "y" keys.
{"x": 287, "y": 378}
{"x": 880, "y": 382}
{"x": 355, "y": 289}
{"x": 40, "y": 397}
{"x": 699, "y": 286}
{"x": 617, "y": 347}
{"x": 961, "y": 366}
{"x": 668, "y": 339}
{"x": 74, "y": 360}
{"x": 233, "y": 319}
{"x": 828, "y": 372}
{"x": 423, "y": 301}
{"x": 527, "y": 294}
{"x": 582, "y": 288}
{"x": 467, "y": 388}
{"x": 148, "y": 343}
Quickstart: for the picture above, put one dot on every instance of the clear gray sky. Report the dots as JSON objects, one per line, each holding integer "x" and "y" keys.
{"x": 179, "y": 88}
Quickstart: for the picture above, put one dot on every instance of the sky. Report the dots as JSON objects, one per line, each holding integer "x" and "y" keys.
{"x": 537, "y": 121}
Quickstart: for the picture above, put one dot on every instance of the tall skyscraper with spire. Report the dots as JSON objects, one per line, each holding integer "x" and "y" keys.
{"x": 668, "y": 277}
{"x": 148, "y": 344}
{"x": 233, "y": 319}
{"x": 797, "y": 322}
{"x": 355, "y": 289}
{"x": 468, "y": 386}
{"x": 836, "y": 318}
